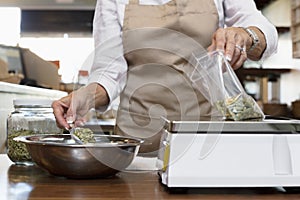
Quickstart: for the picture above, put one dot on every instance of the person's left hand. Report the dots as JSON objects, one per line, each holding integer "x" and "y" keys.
{"x": 234, "y": 42}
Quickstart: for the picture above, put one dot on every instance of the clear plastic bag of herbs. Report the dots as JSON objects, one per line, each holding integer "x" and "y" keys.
{"x": 213, "y": 76}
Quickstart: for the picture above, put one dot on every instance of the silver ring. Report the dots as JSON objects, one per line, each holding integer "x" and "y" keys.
{"x": 242, "y": 49}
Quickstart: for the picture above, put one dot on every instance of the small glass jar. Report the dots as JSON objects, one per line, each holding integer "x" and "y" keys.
{"x": 30, "y": 116}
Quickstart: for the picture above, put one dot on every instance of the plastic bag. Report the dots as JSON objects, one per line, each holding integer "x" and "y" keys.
{"x": 215, "y": 79}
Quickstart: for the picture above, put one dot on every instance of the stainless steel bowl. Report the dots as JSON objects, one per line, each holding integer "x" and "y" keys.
{"x": 61, "y": 156}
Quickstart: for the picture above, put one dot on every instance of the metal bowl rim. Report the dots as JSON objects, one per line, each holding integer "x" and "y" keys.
{"x": 24, "y": 139}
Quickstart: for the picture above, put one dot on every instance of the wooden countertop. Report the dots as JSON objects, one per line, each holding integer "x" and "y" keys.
{"x": 21, "y": 183}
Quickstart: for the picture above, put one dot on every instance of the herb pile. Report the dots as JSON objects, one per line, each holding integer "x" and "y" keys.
{"x": 17, "y": 151}
{"x": 86, "y": 135}
{"x": 240, "y": 107}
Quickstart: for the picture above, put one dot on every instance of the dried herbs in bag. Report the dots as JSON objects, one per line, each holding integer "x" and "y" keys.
{"x": 215, "y": 79}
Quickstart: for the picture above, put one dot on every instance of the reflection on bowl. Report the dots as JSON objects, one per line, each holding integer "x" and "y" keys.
{"x": 60, "y": 155}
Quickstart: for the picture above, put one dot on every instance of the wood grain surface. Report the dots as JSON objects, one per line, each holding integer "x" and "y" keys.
{"x": 20, "y": 182}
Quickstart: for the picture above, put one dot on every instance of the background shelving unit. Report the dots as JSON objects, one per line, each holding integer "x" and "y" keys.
{"x": 295, "y": 27}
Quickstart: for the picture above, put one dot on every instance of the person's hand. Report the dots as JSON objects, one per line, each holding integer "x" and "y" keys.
{"x": 234, "y": 42}
{"x": 60, "y": 108}
{"x": 77, "y": 104}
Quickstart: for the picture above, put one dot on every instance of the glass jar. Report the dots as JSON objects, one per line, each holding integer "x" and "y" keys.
{"x": 30, "y": 116}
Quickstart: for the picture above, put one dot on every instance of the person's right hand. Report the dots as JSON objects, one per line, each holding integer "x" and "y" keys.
{"x": 77, "y": 104}
{"x": 60, "y": 108}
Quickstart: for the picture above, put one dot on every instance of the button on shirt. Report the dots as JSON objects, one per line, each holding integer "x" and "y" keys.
{"x": 109, "y": 66}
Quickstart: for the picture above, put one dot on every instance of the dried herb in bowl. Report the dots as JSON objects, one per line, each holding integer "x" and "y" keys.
{"x": 86, "y": 135}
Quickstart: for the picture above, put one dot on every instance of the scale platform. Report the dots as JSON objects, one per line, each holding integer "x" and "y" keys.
{"x": 230, "y": 154}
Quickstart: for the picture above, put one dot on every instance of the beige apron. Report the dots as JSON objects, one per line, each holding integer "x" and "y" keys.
{"x": 158, "y": 41}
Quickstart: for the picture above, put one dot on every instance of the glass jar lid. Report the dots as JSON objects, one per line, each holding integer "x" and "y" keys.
{"x": 32, "y": 102}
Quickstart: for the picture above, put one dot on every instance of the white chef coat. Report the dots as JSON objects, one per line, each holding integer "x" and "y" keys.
{"x": 109, "y": 66}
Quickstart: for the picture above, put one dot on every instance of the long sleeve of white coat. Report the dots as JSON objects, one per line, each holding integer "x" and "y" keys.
{"x": 109, "y": 66}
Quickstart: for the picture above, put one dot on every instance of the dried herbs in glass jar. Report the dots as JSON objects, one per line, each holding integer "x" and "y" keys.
{"x": 30, "y": 116}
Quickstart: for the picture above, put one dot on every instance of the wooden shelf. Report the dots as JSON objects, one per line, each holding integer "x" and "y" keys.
{"x": 295, "y": 27}
{"x": 295, "y": 4}
{"x": 263, "y": 76}
{"x": 296, "y": 54}
{"x": 282, "y": 29}
{"x": 259, "y": 72}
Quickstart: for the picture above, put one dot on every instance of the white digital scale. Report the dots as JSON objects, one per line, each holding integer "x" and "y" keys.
{"x": 231, "y": 154}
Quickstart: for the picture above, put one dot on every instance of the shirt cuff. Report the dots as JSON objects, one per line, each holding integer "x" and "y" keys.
{"x": 271, "y": 37}
{"x": 108, "y": 84}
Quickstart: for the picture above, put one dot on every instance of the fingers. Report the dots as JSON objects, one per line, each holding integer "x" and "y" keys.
{"x": 231, "y": 41}
{"x": 59, "y": 109}
{"x": 64, "y": 111}
{"x": 70, "y": 115}
{"x": 76, "y": 105}
{"x": 219, "y": 40}
{"x": 239, "y": 53}
{"x": 79, "y": 122}
{"x": 240, "y": 56}
{"x": 212, "y": 47}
